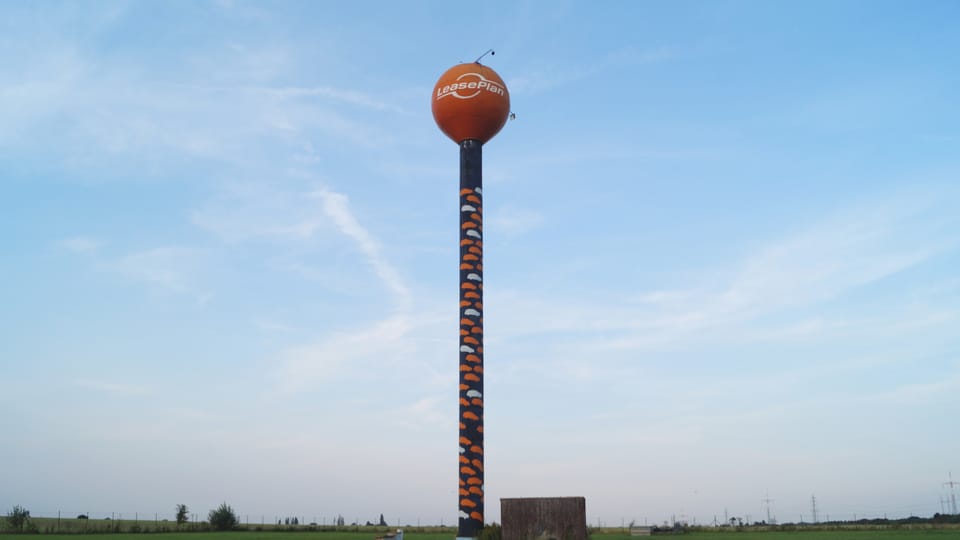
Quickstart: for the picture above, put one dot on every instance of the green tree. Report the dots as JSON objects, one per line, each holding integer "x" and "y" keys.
{"x": 223, "y": 518}
{"x": 18, "y": 518}
{"x": 182, "y": 514}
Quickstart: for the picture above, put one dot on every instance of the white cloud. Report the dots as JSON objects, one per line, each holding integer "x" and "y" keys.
{"x": 546, "y": 78}
{"x": 114, "y": 388}
{"x": 405, "y": 355}
{"x": 268, "y": 325}
{"x": 171, "y": 268}
{"x": 510, "y": 221}
{"x": 344, "y": 354}
{"x": 272, "y": 211}
{"x": 80, "y": 244}
{"x": 337, "y": 207}
{"x": 295, "y": 224}
{"x": 426, "y": 413}
{"x": 825, "y": 261}
{"x": 788, "y": 291}
{"x": 100, "y": 115}
{"x": 818, "y": 264}
{"x": 911, "y": 394}
{"x": 351, "y": 97}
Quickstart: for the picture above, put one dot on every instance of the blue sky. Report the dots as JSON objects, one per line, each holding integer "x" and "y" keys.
{"x": 721, "y": 258}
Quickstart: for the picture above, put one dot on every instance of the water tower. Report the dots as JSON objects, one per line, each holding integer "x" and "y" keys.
{"x": 470, "y": 105}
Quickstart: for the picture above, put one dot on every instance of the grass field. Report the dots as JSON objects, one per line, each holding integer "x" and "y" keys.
{"x": 924, "y": 533}
{"x": 900, "y": 534}
{"x": 243, "y": 535}
{"x": 812, "y": 534}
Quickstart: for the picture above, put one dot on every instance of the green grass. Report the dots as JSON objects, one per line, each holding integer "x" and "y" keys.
{"x": 849, "y": 534}
{"x": 925, "y": 533}
{"x": 435, "y": 533}
{"x": 247, "y": 535}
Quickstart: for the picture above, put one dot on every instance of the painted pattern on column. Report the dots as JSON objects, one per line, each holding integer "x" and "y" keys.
{"x": 471, "y": 349}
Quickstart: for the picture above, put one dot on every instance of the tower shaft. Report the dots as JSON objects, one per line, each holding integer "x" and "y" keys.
{"x": 471, "y": 339}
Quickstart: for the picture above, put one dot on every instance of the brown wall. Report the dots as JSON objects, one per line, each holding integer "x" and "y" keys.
{"x": 544, "y": 518}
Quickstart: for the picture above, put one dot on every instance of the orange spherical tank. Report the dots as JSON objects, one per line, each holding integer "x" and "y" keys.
{"x": 470, "y": 101}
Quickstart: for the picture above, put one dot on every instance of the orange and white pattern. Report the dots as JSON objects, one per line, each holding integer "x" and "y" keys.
{"x": 471, "y": 358}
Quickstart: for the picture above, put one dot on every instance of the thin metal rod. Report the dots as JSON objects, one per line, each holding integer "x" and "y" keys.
{"x": 491, "y": 52}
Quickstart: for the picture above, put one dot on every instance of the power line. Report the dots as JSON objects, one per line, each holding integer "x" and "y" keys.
{"x": 767, "y": 500}
{"x": 953, "y": 498}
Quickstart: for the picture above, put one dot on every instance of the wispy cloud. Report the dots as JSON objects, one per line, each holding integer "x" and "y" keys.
{"x": 511, "y": 221}
{"x": 44, "y": 88}
{"x": 351, "y": 97}
{"x": 923, "y": 392}
{"x": 268, "y": 325}
{"x": 830, "y": 258}
{"x": 170, "y": 268}
{"x": 113, "y": 388}
{"x": 337, "y": 207}
{"x": 783, "y": 290}
{"x": 249, "y": 211}
{"x": 823, "y": 262}
{"x": 291, "y": 224}
{"x": 549, "y": 77}
{"x": 103, "y": 113}
{"x": 80, "y": 244}
{"x": 174, "y": 269}
{"x": 343, "y": 353}
{"x": 425, "y": 413}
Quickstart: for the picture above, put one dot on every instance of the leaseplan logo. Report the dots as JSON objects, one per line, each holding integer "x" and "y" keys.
{"x": 470, "y": 85}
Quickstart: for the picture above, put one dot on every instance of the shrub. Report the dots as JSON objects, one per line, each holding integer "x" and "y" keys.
{"x": 18, "y": 518}
{"x": 490, "y": 532}
{"x": 223, "y": 518}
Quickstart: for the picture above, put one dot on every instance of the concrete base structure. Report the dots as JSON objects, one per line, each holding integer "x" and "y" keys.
{"x": 544, "y": 518}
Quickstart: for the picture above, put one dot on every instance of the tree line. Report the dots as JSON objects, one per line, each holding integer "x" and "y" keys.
{"x": 222, "y": 518}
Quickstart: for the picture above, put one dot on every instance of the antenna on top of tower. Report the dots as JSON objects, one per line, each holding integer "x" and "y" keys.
{"x": 491, "y": 52}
